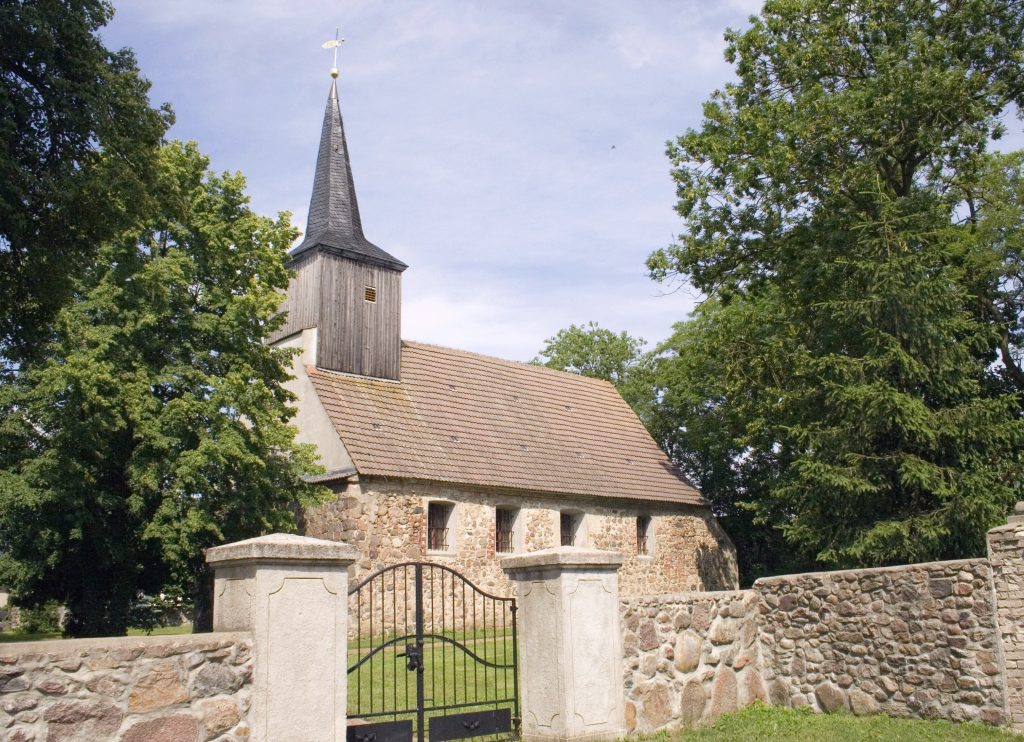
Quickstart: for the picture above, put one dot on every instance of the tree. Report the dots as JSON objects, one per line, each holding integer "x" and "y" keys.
{"x": 78, "y": 142}
{"x": 832, "y": 220}
{"x": 158, "y": 423}
{"x": 697, "y": 420}
{"x": 594, "y": 351}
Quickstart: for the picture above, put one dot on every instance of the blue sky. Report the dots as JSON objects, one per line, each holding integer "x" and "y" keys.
{"x": 512, "y": 153}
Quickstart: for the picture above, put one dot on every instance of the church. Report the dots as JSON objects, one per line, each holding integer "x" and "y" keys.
{"x": 458, "y": 458}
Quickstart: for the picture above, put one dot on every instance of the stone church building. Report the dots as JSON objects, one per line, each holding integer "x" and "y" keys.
{"x": 447, "y": 455}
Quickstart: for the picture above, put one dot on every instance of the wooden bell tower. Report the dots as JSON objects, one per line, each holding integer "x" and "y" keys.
{"x": 345, "y": 287}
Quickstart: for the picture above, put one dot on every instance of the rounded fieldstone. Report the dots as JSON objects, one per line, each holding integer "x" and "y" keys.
{"x": 779, "y": 693}
{"x": 687, "y": 651}
{"x": 657, "y": 705}
{"x": 830, "y": 697}
{"x": 177, "y": 728}
{"x": 160, "y": 688}
{"x": 648, "y": 635}
{"x": 215, "y": 679}
{"x": 724, "y": 692}
{"x": 630, "y": 716}
{"x": 69, "y": 720}
{"x": 218, "y": 716}
{"x": 861, "y": 704}
{"x": 751, "y": 687}
{"x": 694, "y": 699}
{"x": 723, "y": 631}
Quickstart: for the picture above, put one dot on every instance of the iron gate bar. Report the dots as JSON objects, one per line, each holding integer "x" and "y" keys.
{"x": 480, "y": 629}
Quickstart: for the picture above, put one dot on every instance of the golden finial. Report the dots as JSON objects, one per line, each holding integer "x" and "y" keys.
{"x": 334, "y": 44}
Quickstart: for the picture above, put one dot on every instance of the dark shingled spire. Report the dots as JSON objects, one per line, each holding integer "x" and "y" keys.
{"x": 333, "y": 211}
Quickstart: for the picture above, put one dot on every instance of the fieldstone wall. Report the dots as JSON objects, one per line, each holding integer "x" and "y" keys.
{"x": 1006, "y": 555}
{"x": 135, "y": 689}
{"x": 690, "y": 657}
{"x": 385, "y": 519}
{"x": 936, "y": 640}
{"x": 918, "y": 640}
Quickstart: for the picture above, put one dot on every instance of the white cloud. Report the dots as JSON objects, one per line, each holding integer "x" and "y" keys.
{"x": 481, "y": 136}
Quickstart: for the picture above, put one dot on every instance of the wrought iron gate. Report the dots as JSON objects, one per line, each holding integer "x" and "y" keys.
{"x": 430, "y": 655}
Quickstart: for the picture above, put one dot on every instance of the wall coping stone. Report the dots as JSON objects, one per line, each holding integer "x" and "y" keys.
{"x": 564, "y": 556}
{"x": 282, "y": 547}
{"x": 942, "y": 564}
{"x": 688, "y": 596}
{"x": 53, "y": 646}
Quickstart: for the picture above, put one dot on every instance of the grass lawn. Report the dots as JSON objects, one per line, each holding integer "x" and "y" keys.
{"x": 760, "y": 723}
{"x": 450, "y": 675}
{"x": 17, "y": 636}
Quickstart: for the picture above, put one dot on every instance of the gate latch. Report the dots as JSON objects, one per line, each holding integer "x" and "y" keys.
{"x": 413, "y": 657}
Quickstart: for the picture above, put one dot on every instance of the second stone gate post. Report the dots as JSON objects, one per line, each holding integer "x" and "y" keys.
{"x": 570, "y": 643}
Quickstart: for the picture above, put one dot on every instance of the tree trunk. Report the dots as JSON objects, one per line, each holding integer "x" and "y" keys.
{"x": 202, "y": 607}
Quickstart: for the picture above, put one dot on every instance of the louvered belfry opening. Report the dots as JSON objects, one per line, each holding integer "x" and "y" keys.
{"x": 345, "y": 286}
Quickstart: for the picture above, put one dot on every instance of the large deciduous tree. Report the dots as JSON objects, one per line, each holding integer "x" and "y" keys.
{"x": 158, "y": 423}
{"x": 863, "y": 310}
{"x": 78, "y": 140}
{"x": 591, "y": 350}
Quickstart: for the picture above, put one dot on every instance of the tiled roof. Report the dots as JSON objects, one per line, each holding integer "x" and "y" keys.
{"x": 465, "y": 418}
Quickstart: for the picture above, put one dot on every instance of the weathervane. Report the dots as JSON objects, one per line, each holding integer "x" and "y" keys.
{"x": 334, "y": 44}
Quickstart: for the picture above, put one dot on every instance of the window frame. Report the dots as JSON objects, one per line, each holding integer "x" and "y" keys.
{"x": 577, "y": 526}
{"x": 644, "y": 536}
{"x": 447, "y": 530}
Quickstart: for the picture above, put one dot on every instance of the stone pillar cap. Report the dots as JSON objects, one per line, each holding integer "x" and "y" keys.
{"x": 564, "y": 556}
{"x": 282, "y": 547}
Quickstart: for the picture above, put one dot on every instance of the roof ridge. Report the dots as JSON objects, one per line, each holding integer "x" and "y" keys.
{"x": 504, "y": 361}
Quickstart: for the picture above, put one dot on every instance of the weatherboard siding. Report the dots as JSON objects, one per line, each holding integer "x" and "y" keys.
{"x": 358, "y": 336}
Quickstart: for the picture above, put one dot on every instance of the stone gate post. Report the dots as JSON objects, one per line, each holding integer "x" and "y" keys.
{"x": 1006, "y": 555}
{"x": 291, "y": 592}
{"x": 570, "y": 643}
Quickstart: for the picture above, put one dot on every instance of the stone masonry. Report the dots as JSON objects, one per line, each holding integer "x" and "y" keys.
{"x": 919, "y": 640}
{"x": 134, "y": 689}
{"x": 385, "y": 519}
{"x": 690, "y": 657}
{"x": 936, "y": 640}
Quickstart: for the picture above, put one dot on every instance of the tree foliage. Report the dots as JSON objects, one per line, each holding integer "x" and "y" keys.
{"x": 78, "y": 140}
{"x": 860, "y": 258}
{"x": 593, "y": 351}
{"x": 157, "y": 424}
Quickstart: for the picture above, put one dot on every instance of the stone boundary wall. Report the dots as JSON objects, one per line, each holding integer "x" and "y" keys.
{"x": 918, "y": 640}
{"x": 690, "y": 657}
{"x": 935, "y": 640}
{"x": 131, "y": 689}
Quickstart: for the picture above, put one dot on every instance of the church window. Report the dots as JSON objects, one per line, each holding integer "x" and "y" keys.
{"x": 370, "y": 293}
{"x": 572, "y": 529}
{"x": 439, "y": 515}
{"x": 504, "y": 529}
{"x": 643, "y": 536}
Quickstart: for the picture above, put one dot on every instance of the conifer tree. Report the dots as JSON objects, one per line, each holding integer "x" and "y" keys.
{"x": 858, "y": 311}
